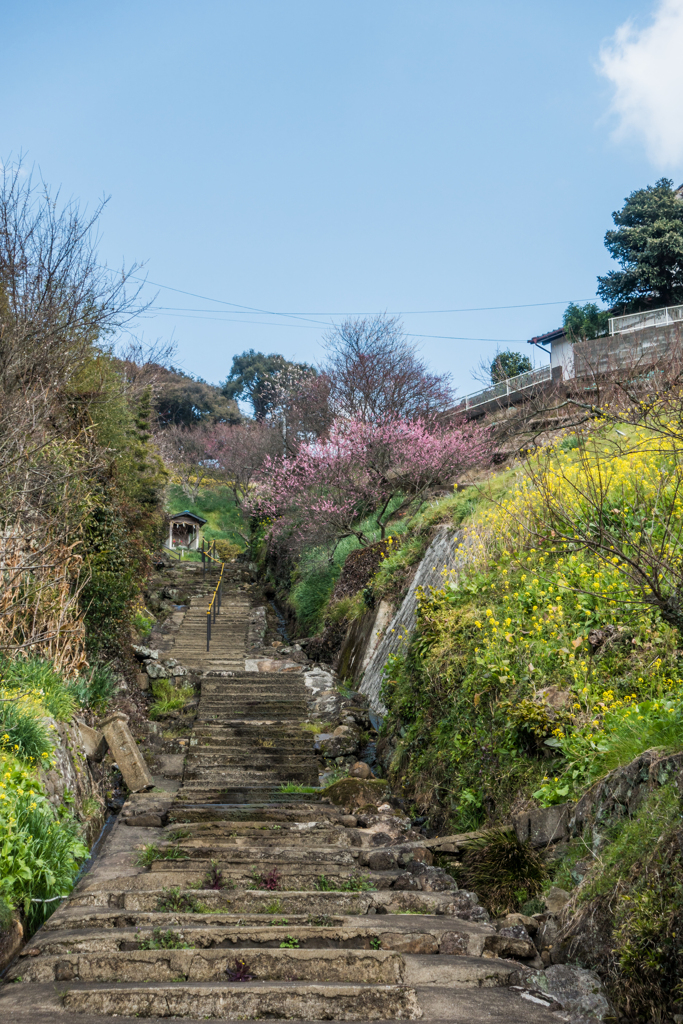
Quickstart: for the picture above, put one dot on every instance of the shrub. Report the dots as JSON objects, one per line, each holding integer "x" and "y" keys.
{"x": 503, "y": 872}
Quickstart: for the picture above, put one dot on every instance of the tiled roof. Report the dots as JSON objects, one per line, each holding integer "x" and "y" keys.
{"x": 550, "y": 336}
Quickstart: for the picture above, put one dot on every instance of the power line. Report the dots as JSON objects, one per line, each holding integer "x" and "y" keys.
{"x": 305, "y": 316}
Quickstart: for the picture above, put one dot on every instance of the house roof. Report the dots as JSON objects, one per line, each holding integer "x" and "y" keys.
{"x": 542, "y": 339}
{"x": 180, "y": 515}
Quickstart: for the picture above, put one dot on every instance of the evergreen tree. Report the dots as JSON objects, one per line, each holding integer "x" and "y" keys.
{"x": 648, "y": 243}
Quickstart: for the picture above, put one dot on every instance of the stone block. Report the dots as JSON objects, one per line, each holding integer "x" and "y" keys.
{"x": 126, "y": 754}
{"x": 156, "y": 671}
{"x": 543, "y": 825}
{"x": 555, "y": 899}
{"x": 94, "y": 743}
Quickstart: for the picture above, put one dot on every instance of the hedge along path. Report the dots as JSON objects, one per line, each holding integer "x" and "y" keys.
{"x": 231, "y": 920}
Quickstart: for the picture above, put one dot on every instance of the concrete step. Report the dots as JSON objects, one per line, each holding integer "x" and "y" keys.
{"x": 257, "y": 1000}
{"x": 168, "y": 965}
{"x": 109, "y": 932}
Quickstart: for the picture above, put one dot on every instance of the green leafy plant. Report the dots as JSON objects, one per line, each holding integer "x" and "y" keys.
{"x": 274, "y": 907}
{"x": 152, "y": 852}
{"x": 39, "y": 852}
{"x": 375, "y": 943}
{"x": 289, "y": 943}
{"x": 175, "y": 900}
{"x": 355, "y": 883}
{"x": 164, "y": 940}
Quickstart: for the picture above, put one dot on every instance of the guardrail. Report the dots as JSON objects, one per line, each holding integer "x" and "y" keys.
{"x": 214, "y": 608}
{"x": 508, "y": 387}
{"x": 651, "y": 318}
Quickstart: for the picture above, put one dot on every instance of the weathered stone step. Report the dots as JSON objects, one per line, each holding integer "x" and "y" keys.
{"x": 255, "y": 758}
{"x": 257, "y": 1000}
{"x": 250, "y": 811}
{"x": 309, "y": 857}
{"x": 120, "y": 895}
{"x": 302, "y": 879}
{"x": 195, "y": 793}
{"x": 428, "y": 936}
{"x": 168, "y": 965}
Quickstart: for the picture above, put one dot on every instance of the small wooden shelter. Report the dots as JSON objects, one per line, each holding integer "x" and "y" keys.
{"x": 184, "y": 530}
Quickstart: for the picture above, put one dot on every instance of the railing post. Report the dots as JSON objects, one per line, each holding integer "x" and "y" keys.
{"x": 220, "y": 590}
{"x": 203, "y": 558}
{"x": 208, "y": 629}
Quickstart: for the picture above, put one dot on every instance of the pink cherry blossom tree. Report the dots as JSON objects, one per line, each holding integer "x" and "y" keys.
{"x": 330, "y": 486}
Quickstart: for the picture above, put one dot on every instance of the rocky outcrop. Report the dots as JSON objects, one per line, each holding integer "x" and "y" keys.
{"x": 444, "y": 555}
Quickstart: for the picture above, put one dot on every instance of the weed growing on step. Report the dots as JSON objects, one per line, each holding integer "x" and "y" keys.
{"x": 355, "y": 883}
{"x": 321, "y": 921}
{"x": 215, "y": 879}
{"x": 164, "y": 940}
{"x": 279, "y": 921}
{"x": 270, "y": 880}
{"x": 178, "y": 834}
{"x": 297, "y": 787}
{"x": 290, "y": 943}
{"x": 151, "y": 853}
{"x": 375, "y": 943}
{"x": 239, "y": 971}
{"x": 169, "y": 697}
{"x": 175, "y": 900}
{"x": 275, "y": 907}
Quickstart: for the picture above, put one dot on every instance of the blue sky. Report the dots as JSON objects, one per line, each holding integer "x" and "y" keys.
{"x": 322, "y": 158}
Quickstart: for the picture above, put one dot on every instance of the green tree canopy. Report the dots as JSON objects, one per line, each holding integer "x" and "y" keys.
{"x": 256, "y": 378}
{"x": 184, "y": 400}
{"x": 508, "y": 364}
{"x": 648, "y": 244}
{"x": 581, "y": 322}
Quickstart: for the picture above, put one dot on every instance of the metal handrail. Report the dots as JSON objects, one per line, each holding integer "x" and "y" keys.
{"x": 508, "y": 386}
{"x": 649, "y": 318}
{"x": 214, "y": 608}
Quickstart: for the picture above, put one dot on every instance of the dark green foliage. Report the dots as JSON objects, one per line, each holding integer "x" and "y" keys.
{"x": 253, "y": 378}
{"x": 503, "y": 872}
{"x": 181, "y": 399}
{"x": 648, "y": 243}
{"x": 581, "y": 322}
{"x": 508, "y": 364}
{"x": 107, "y": 597}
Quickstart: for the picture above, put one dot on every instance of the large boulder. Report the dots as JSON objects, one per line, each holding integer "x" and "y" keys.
{"x": 355, "y": 793}
{"x": 579, "y": 991}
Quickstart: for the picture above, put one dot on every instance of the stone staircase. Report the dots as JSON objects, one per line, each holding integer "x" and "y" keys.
{"x": 253, "y": 903}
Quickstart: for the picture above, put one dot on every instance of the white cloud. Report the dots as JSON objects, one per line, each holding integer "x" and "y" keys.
{"x": 646, "y": 69}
